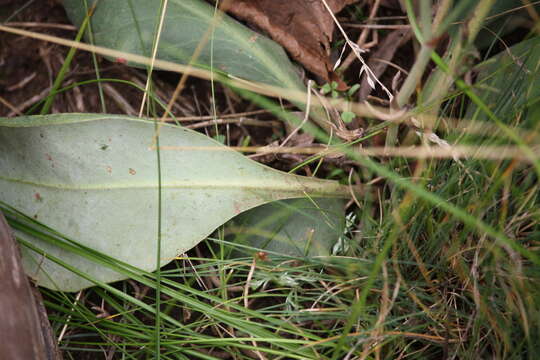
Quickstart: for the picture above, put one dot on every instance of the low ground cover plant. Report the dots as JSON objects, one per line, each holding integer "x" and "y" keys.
{"x": 336, "y": 180}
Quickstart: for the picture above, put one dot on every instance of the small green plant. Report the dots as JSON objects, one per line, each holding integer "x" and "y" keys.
{"x": 332, "y": 90}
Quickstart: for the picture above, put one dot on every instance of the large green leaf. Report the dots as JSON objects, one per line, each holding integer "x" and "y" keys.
{"x": 130, "y": 26}
{"x": 294, "y": 227}
{"x": 94, "y": 179}
{"x": 509, "y": 84}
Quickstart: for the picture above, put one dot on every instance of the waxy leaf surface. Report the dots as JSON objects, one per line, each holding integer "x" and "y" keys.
{"x": 94, "y": 178}
{"x": 293, "y": 227}
{"x": 190, "y": 27}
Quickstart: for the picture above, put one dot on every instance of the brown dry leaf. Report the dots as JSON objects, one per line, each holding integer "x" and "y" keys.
{"x": 303, "y": 27}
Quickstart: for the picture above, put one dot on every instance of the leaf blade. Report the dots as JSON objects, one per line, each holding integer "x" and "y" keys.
{"x": 231, "y": 47}
{"x": 95, "y": 181}
{"x": 292, "y": 227}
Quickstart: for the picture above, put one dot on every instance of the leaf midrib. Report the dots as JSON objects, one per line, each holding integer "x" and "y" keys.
{"x": 319, "y": 186}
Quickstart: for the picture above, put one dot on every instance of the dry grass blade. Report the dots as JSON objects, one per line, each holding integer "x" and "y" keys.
{"x": 263, "y": 89}
{"x": 365, "y": 109}
{"x": 414, "y": 152}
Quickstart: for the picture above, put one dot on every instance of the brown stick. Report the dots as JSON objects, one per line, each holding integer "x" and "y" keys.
{"x": 26, "y": 332}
